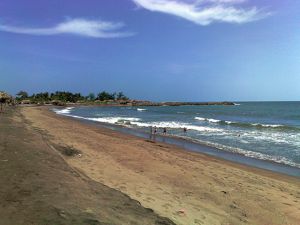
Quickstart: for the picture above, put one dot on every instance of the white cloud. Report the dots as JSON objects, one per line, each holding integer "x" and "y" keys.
{"x": 204, "y": 12}
{"x": 82, "y": 27}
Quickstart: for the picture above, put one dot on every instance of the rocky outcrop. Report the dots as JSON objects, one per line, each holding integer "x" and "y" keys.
{"x": 148, "y": 103}
{"x": 196, "y": 103}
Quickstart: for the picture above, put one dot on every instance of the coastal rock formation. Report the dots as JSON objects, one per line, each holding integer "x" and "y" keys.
{"x": 149, "y": 103}
{"x": 196, "y": 103}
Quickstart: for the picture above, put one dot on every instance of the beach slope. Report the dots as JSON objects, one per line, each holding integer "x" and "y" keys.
{"x": 37, "y": 186}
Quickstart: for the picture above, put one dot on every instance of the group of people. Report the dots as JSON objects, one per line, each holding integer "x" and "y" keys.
{"x": 154, "y": 130}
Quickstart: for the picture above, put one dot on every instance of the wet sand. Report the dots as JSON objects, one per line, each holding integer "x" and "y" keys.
{"x": 189, "y": 188}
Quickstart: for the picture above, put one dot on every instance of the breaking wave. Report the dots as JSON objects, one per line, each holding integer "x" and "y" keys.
{"x": 241, "y": 124}
{"x": 175, "y": 125}
{"x": 110, "y": 120}
{"x": 63, "y": 111}
{"x": 251, "y": 154}
{"x": 207, "y": 119}
{"x": 114, "y": 120}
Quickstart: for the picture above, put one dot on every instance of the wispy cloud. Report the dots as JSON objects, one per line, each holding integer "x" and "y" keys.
{"x": 79, "y": 26}
{"x": 205, "y": 12}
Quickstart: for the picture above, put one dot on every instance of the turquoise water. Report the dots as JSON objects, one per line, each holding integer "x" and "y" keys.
{"x": 262, "y": 130}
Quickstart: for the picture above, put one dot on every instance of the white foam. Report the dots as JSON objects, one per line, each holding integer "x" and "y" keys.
{"x": 200, "y": 118}
{"x": 207, "y": 119}
{"x": 111, "y": 120}
{"x": 139, "y": 109}
{"x": 271, "y": 125}
{"x": 114, "y": 120}
{"x": 213, "y": 120}
{"x": 234, "y": 122}
{"x": 175, "y": 125}
{"x": 267, "y": 125}
{"x": 251, "y": 154}
{"x": 63, "y": 111}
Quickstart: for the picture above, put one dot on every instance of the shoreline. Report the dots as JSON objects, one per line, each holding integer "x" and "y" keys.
{"x": 38, "y": 186}
{"x": 169, "y": 179}
{"x": 202, "y": 148}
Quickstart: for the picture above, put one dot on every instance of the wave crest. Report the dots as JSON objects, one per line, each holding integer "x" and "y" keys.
{"x": 63, "y": 111}
{"x": 241, "y": 124}
{"x": 250, "y": 154}
{"x": 175, "y": 125}
{"x": 114, "y": 120}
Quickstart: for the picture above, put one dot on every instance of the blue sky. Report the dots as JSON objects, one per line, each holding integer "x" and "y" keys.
{"x": 164, "y": 50}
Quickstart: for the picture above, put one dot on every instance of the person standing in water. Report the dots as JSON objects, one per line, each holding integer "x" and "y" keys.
{"x": 164, "y": 130}
{"x": 155, "y": 130}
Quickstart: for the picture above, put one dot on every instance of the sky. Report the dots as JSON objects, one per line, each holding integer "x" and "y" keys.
{"x": 160, "y": 50}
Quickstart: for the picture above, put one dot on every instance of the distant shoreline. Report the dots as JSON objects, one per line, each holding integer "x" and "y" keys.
{"x": 135, "y": 103}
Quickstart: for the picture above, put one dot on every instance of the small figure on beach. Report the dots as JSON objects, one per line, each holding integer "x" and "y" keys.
{"x": 151, "y": 130}
{"x": 164, "y": 130}
{"x": 184, "y": 129}
{"x": 155, "y": 130}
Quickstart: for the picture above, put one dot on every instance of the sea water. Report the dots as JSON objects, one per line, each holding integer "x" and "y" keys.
{"x": 262, "y": 130}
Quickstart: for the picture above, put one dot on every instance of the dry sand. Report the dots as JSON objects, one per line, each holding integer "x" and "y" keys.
{"x": 38, "y": 187}
{"x": 189, "y": 188}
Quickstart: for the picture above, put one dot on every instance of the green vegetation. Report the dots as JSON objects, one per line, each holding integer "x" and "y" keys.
{"x": 62, "y": 97}
{"x": 91, "y": 97}
{"x": 105, "y": 96}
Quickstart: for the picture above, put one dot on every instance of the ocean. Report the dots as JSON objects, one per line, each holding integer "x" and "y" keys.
{"x": 267, "y": 131}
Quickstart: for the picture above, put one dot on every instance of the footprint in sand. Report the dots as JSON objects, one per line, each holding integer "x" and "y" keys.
{"x": 138, "y": 193}
{"x": 149, "y": 199}
{"x": 197, "y": 221}
{"x": 167, "y": 205}
{"x": 197, "y": 209}
{"x": 122, "y": 188}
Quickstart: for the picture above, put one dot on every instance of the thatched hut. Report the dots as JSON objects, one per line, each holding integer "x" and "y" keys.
{"x": 4, "y": 99}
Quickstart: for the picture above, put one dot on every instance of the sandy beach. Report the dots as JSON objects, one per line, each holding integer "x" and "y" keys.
{"x": 186, "y": 187}
{"x": 38, "y": 187}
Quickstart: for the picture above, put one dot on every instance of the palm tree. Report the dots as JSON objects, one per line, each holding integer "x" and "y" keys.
{"x": 4, "y": 98}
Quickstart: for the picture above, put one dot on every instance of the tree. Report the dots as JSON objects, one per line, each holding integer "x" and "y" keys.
{"x": 104, "y": 96}
{"x": 121, "y": 96}
{"x": 91, "y": 97}
{"x": 66, "y": 96}
{"x": 21, "y": 95}
{"x": 41, "y": 97}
